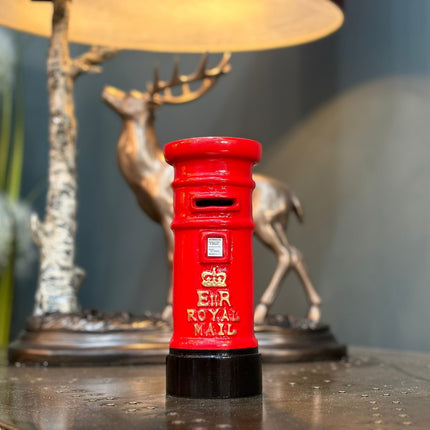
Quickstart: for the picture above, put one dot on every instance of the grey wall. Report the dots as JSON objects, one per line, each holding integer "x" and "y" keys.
{"x": 343, "y": 120}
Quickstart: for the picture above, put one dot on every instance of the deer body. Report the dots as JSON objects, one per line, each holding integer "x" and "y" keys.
{"x": 142, "y": 163}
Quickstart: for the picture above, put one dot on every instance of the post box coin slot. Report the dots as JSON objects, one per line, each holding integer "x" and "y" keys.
{"x": 206, "y": 203}
{"x": 203, "y": 203}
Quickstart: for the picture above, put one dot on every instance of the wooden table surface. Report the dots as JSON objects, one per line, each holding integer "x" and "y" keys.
{"x": 374, "y": 389}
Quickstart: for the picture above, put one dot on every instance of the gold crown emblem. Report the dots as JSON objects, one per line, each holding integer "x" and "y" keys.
{"x": 214, "y": 278}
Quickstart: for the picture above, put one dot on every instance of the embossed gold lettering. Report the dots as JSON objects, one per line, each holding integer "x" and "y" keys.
{"x": 214, "y": 300}
{"x": 235, "y": 317}
{"x": 224, "y": 297}
{"x": 203, "y": 298}
{"x": 191, "y": 316}
{"x": 225, "y": 316}
{"x": 214, "y": 312}
{"x": 230, "y": 332}
{"x": 213, "y": 315}
{"x": 210, "y": 330}
{"x": 198, "y": 329}
{"x": 221, "y": 326}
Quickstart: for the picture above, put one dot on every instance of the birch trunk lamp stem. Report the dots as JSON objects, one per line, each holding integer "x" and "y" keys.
{"x": 59, "y": 277}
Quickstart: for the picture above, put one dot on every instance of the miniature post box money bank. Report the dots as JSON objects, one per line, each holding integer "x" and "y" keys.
{"x": 213, "y": 350}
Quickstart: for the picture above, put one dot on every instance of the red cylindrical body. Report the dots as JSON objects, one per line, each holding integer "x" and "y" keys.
{"x": 213, "y": 269}
{"x": 213, "y": 287}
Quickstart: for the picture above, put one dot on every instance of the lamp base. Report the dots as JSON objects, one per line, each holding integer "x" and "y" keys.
{"x": 98, "y": 338}
{"x": 283, "y": 339}
{"x": 91, "y": 338}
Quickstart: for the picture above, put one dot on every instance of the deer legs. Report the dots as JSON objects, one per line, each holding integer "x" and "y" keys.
{"x": 269, "y": 237}
{"x": 314, "y": 299}
{"x": 299, "y": 265}
{"x": 272, "y": 234}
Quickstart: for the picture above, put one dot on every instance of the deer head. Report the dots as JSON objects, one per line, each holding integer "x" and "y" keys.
{"x": 134, "y": 104}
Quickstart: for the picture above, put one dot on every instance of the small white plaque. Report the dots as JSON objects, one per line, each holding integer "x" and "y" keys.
{"x": 215, "y": 247}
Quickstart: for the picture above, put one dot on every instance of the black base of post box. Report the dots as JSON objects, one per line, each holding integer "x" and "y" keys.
{"x": 220, "y": 374}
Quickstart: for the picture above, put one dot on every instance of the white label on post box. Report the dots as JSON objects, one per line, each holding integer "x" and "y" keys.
{"x": 215, "y": 247}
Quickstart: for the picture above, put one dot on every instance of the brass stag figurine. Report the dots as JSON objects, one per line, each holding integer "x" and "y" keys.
{"x": 142, "y": 164}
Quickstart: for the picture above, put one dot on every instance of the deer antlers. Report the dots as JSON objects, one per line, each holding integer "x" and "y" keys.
{"x": 160, "y": 91}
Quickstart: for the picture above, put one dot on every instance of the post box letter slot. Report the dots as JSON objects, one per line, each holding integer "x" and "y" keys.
{"x": 206, "y": 203}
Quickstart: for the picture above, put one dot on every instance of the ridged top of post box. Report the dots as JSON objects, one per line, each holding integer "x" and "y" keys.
{"x": 212, "y": 147}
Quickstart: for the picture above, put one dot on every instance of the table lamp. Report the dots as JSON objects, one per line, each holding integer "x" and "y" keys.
{"x": 187, "y": 26}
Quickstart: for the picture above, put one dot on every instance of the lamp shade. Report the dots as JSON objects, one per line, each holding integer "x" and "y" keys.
{"x": 182, "y": 25}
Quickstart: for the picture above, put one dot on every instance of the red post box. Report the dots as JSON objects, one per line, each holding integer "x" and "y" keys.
{"x": 213, "y": 350}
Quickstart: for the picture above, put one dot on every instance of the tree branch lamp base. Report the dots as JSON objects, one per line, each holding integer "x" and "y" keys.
{"x": 283, "y": 339}
{"x": 91, "y": 338}
{"x": 96, "y": 338}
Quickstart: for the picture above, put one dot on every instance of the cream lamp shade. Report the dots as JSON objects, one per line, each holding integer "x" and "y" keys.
{"x": 182, "y": 25}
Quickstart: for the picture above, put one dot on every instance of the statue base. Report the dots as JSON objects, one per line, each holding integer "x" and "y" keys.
{"x": 91, "y": 338}
{"x": 283, "y": 339}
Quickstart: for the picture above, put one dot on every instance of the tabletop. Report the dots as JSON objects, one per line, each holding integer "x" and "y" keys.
{"x": 374, "y": 389}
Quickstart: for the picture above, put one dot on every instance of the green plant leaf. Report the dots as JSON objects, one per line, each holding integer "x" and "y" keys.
{"x": 17, "y": 157}
{"x": 6, "y": 303}
{"x": 5, "y": 134}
